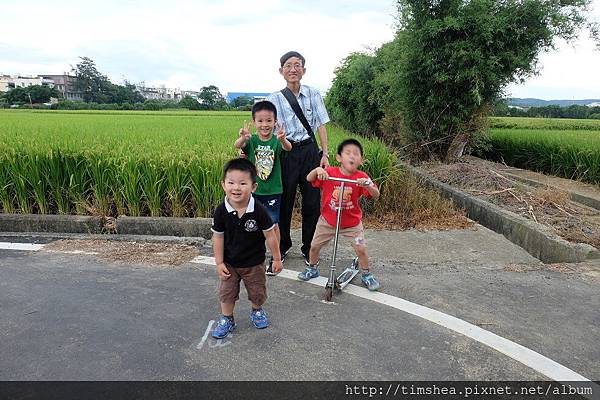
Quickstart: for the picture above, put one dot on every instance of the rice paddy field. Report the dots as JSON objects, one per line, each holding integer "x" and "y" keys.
{"x": 568, "y": 148}
{"x": 128, "y": 163}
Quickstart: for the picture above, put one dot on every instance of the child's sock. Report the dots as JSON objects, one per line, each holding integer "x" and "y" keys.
{"x": 256, "y": 309}
{"x": 313, "y": 266}
{"x": 365, "y": 271}
{"x": 229, "y": 317}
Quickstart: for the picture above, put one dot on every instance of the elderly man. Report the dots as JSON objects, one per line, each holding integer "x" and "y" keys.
{"x": 301, "y": 110}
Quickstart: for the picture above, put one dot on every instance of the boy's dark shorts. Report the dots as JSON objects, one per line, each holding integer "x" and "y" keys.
{"x": 272, "y": 203}
{"x": 254, "y": 279}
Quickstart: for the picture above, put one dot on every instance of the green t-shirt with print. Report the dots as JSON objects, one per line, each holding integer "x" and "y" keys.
{"x": 266, "y": 156}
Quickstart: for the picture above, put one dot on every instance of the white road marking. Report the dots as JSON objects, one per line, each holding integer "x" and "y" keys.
{"x": 210, "y": 324}
{"x": 203, "y": 260}
{"x": 522, "y": 354}
{"x": 20, "y": 246}
{"x": 91, "y": 253}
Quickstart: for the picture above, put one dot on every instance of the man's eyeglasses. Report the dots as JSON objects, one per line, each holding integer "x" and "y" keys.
{"x": 294, "y": 66}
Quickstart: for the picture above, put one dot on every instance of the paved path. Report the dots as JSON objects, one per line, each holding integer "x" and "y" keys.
{"x": 71, "y": 316}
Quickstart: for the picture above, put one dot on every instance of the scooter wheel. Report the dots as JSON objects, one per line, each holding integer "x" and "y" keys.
{"x": 328, "y": 293}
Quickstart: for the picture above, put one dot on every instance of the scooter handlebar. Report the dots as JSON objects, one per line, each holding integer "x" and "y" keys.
{"x": 331, "y": 178}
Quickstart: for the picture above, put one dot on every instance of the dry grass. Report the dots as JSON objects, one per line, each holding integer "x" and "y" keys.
{"x": 128, "y": 252}
{"x": 406, "y": 204}
{"x": 547, "y": 206}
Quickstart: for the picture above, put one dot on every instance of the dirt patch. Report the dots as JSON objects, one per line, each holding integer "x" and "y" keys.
{"x": 547, "y": 206}
{"x": 128, "y": 252}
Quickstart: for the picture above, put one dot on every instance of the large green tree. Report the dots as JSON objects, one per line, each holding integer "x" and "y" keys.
{"x": 437, "y": 81}
{"x": 33, "y": 94}
{"x": 211, "y": 98}
{"x": 97, "y": 88}
{"x": 461, "y": 55}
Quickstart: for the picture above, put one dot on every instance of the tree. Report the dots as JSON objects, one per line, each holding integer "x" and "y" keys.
{"x": 211, "y": 98}
{"x": 42, "y": 93}
{"x": 94, "y": 86}
{"x": 436, "y": 82}
{"x": 461, "y": 54}
{"x": 350, "y": 100}
{"x": 190, "y": 103}
{"x": 33, "y": 94}
{"x": 242, "y": 102}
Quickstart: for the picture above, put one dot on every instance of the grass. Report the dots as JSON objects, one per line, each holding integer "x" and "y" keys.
{"x": 561, "y": 147}
{"x": 165, "y": 163}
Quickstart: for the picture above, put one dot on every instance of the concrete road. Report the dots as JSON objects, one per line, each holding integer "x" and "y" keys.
{"x": 74, "y": 317}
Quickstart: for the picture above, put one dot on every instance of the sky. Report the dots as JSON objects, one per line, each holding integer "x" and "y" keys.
{"x": 234, "y": 44}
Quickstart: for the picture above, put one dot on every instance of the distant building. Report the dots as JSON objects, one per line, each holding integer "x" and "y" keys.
{"x": 8, "y": 82}
{"x": 159, "y": 93}
{"x": 65, "y": 84}
{"x": 231, "y": 96}
{"x": 192, "y": 93}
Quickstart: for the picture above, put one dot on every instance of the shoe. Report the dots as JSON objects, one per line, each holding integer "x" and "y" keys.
{"x": 269, "y": 270}
{"x": 259, "y": 318}
{"x": 308, "y": 274}
{"x": 307, "y": 260}
{"x": 370, "y": 282}
{"x": 224, "y": 326}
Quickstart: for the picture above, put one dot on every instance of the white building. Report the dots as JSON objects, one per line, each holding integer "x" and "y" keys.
{"x": 159, "y": 93}
{"x": 8, "y": 82}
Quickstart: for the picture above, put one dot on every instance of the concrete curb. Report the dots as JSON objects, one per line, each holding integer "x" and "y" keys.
{"x": 161, "y": 226}
{"x": 536, "y": 239}
{"x": 50, "y": 223}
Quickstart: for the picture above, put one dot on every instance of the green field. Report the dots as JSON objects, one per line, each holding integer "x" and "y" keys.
{"x": 569, "y": 148}
{"x": 127, "y": 162}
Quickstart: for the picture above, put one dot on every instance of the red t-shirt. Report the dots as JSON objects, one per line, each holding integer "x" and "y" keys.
{"x": 330, "y": 190}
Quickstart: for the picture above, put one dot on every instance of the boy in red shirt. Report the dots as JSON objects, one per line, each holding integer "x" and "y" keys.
{"x": 349, "y": 155}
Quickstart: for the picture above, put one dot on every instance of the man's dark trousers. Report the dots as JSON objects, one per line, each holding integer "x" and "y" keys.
{"x": 296, "y": 164}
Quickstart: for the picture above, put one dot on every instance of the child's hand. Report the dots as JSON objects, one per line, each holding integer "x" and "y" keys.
{"x": 280, "y": 132}
{"x": 277, "y": 266}
{"x": 364, "y": 182}
{"x": 223, "y": 272}
{"x": 322, "y": 175}
{"x": 245, "y": 131}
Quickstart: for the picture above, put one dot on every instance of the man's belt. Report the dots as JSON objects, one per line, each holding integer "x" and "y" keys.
{"x": 302, "y": 142}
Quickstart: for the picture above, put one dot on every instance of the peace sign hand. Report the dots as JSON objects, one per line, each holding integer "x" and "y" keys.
{"x": 280, "y": 132}
{"x": 245, "y": 131}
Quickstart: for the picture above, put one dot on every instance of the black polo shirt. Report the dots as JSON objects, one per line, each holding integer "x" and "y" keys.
{"x": 244, "y": 237}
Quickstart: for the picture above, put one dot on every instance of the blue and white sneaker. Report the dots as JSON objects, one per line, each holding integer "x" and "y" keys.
{"x": 369, "y": 281}
{"x": 224, "y": 326}
{"x": 308, "y": 274}
{"x": 259, "y": 318}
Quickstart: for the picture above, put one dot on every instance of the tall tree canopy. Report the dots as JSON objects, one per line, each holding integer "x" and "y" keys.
{"x": 97, "y": 88}
{"x": 451, "y": 59}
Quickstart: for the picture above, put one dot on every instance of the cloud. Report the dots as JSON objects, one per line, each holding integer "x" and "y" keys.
{"x": 233, "y": 44}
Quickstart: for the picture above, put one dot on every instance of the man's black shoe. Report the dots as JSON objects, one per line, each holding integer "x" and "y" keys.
{"x": 269, "y": 270}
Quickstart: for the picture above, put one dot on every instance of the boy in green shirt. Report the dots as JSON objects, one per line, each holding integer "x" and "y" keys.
{"x": 264, "y": 150}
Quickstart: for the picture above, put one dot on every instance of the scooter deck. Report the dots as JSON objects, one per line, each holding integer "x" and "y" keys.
{"x": 347, "y": 275}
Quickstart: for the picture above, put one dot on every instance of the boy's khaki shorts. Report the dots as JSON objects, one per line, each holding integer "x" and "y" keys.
{"x": 254, "y": 279}
{"x": 325, "y": 232}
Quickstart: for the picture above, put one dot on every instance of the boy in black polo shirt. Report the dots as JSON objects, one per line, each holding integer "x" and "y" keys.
{"x": 240, "y": 226}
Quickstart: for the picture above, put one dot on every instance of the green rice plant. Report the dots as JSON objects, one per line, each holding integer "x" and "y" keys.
{"x": 132, "y": 163}
{"x": 129, "y": 184}
{"x": 37, "y": 180}
{"x": 57, "y": 181}
{"x": 178, "y": 184}
{"x": 573, "y": 154}
{"x": 102, "y": 170}
{"x": 153, "y": 185}
{"x": 6, "y": 185}
{"x": 18, "y": 172}
{"x": 545, "y": 124}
